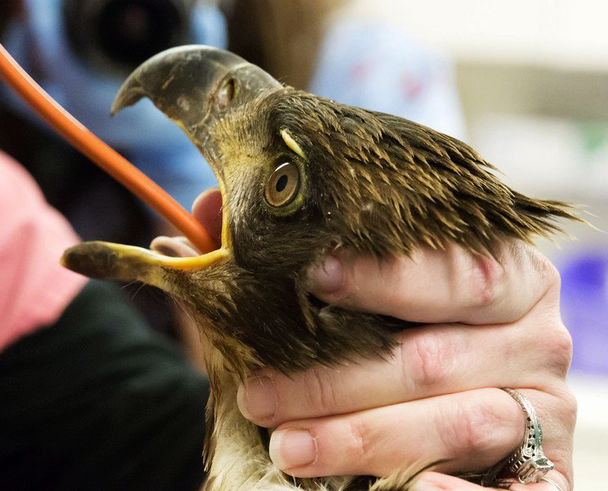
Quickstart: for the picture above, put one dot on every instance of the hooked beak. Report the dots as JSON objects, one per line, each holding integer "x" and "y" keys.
{"x": 194, "y": 86}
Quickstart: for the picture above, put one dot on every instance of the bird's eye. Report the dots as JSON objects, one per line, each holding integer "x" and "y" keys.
{"x": 283, "y": 184}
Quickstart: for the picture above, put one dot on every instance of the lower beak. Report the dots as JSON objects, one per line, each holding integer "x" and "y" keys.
{"x": 106, "y": 260}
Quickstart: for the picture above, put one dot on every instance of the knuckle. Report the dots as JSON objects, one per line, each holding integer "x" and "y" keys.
{"x": 486, "y": 276}
{"x": 549, "y": 272}
{"x": 474, "y": 428}
{"x": 424, "y": 360}
{"x": 321, "y": 391}
{"x": 359, "y": 446}
{"x": 550, "y": 279}
{"x": 560, "y": 345}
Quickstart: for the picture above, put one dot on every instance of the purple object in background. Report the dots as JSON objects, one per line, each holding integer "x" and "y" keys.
{"x": 584, "y": 302}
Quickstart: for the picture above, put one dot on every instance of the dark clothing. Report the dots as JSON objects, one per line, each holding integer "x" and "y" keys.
{"x": 99, "y": 401}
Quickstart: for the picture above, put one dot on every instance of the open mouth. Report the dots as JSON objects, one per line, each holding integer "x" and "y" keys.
{"x": 178, "y": 253}
{"x": 194, "y": 86}
{"x": 207, "y": 209}
{"x": 128, "y": 263}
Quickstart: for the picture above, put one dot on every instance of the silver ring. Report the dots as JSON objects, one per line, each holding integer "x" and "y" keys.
{"x": 552, "y": 482}
{"x": 528, "y": 462}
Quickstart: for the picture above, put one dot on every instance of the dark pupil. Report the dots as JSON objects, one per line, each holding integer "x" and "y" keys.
{"x": 281, "y": 183}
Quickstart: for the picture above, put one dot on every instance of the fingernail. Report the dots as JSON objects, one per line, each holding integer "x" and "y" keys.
{"x": 329, "y": 276}
{"x": 257, "y": 399}
{"x": 292, "y": 448}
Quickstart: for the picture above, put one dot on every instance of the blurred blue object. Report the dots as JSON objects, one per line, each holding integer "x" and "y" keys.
{"x": 157, "y": 146}
{"x": 584, "y": 301}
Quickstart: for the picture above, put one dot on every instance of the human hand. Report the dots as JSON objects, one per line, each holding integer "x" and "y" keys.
{"x": 495, "y": 324}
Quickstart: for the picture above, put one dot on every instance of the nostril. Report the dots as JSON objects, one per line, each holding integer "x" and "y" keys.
{"x": 225, "y": 93}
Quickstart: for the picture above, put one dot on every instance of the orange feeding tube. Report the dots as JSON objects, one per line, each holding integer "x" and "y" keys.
{"x": 101, "y": 154}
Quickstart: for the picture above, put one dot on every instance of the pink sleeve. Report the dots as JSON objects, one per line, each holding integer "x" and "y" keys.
{"x": 34, "y": 287}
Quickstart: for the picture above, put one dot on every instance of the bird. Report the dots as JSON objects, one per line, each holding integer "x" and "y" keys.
{"x": 300, "y": 177}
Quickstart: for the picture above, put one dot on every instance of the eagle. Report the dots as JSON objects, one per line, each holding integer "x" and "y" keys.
{"x": 300, "y": 176}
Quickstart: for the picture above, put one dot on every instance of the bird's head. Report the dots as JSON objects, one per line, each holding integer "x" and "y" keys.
{"x": 289, "y": 194}
{"x": 300, "y": 175}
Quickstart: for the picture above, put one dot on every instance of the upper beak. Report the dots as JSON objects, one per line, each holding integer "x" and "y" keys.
{"x": 194, "y": 86}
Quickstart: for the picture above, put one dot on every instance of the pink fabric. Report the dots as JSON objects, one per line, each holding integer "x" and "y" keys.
{"x": 34, "y": 287}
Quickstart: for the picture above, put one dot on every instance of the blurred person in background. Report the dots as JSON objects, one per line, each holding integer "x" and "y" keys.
{"x": 412, "y": 89}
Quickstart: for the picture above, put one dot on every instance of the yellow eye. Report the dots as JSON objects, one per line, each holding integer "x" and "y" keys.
{"x": 283, "y": 184}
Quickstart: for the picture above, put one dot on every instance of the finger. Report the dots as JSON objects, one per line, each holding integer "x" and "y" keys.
{"x": 470, "y": 431}
{"x": 556, "y": 411}
{"x": 434, "y": 286}
{"x": 173, "y": 246}
{"x": 207, "y": 210}
{"x": 435, "y": 481}
{"x": 428, "y": 361}
{"x": 554, "y": 481}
